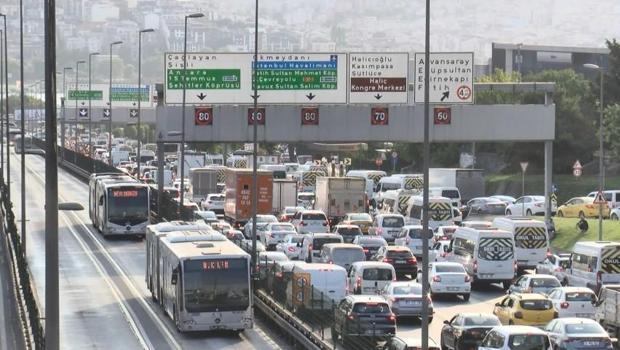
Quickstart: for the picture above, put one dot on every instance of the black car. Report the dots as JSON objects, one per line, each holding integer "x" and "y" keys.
{"x": 466, "y": 330}
{"x": 363, "y": 320}
{"x": 400, "y": 257}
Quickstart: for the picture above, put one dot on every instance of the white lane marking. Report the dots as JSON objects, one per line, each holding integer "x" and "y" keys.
{"x": 121, "y": 272}
{"x": 128, "y": 314}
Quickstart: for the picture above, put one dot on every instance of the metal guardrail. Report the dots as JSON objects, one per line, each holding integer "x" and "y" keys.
{"x": 32, "y": 326}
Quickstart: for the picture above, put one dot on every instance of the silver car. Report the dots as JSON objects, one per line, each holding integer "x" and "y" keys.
{"x": 274, "y": 233}
{"x": 405, "y": 299}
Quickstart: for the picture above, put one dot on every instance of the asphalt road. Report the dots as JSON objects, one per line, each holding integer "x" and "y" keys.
{"x": 104, "y": 302}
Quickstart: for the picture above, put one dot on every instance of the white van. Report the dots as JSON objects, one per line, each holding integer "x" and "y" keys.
{"x": 328, "y": 281}
{"x": 611, "y": 196}
{"x": 593, "y": 264}
{"x": 531, "y": 239}
{"x": 398, "y": 182}
{"x": 368, "y": 277}
{"x": 441, "y": 212}
{"x": 313, "y": 243}
{"x": 450, "y": 192}
{"x": 487, "y": 255}
{"x": 372, "y": 180}
{"x": 396, "y": 201}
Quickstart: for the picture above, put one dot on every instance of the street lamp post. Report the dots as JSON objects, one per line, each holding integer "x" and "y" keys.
{"x": 63, "y": 106}
{"x": 255, "y": 142}
{"x": 77, "y": 72}
{"x": 601, "y": 184}
{"x": 6, "y": 109}
{"x": 182, "y": 160}
{"x": 427, "y": 161}
{"x": 23, "y": 125}
{"x": 110, "y": 106}
{"x": 90, "y": 112}
{"x": 148, "y": 30}
{"x": 1, "y": 104}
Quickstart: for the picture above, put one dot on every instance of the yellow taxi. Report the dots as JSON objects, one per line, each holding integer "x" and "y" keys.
{"x": 581, "y": 207}
{"x": 361, "y": 220}
{"x": 530, "y": 309}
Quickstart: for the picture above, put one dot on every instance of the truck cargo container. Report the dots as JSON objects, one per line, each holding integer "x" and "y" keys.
{"x": 337, "y": 196}
{"x": 284, "y": 194}
{"x": 238, "y": 203}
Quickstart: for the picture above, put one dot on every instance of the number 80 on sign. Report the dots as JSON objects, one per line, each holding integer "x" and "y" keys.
{"x": 203, "y": 116}
{"x": 310, "y": 116}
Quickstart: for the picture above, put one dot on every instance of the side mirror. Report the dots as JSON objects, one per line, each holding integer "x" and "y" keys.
{"x": 174, "y": 279}
{"x": 446, "y": 322}
{"x": 299, "y": 245}
{"x": 498, "y": 304}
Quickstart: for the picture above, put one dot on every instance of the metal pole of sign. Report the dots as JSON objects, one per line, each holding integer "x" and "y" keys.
{"x": 427, "y": 155}
{"x": 75, "y": 147}
{"x": 255, "y": 141}
{"x": 64, "y": 116}
{"x": 139, "y": 134}
{"x": 601, "y": 184}
{"x": 23, "y": 123}
{"x": 90, "y": 112}
{"x": 1, "y": 104}
{"x": 6, "y": 109}
{"x": 110, "y": 106}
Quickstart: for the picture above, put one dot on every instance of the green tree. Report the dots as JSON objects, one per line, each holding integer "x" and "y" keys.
{"x": 612, "y": 75}
{"x": 611, "y": 128}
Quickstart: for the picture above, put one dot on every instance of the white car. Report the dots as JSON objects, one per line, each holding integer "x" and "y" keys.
{"x": 439, "y": 250}
{"x": 615, "y": 214}
{"x": 554, "y": 265}
{"x": 310, "y": 221}
{"x": 573, "y": 301}
{"x": 215, "y": 203}
{"x": 412, "y": 237}
{"x": 578, "y": 333}
{"x": 262, "y": 220}
{"x": 516, "y": 337}
{"x": 448, "y": 278}
{"x": 528, "y": 205}
{"x": 533, "y": 283}
{"x": 275, "y": 232}
{"x": 445, "y": 232}
{"x": 291, "y": 245}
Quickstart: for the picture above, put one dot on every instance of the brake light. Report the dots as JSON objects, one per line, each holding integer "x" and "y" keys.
{"x": 518, "y": 314}
{"x": 330, "y": 262}
{"x": 436, "y": 278}
{"x": 358, "y": 282}
{"x": 302, "y": 223}
{"x": 291, "y": 249}
{"x": 475, "y": 266}
{"x": 412, "y": 261}
{"x": 564, "y": 305}
{"x": 279, "y": 274}
{"x": 351, "y": 317}
{"x": 549, "y": 252}
{"x": 391, "y": 318}
{"x": 388, "y": 260}
{"x": 467, "y": 279}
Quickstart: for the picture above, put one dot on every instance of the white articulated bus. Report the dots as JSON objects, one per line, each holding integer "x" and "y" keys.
{"x": 206, "y": 284}
{"x": 154, "y": 233}
{"x": 118, "y": 204}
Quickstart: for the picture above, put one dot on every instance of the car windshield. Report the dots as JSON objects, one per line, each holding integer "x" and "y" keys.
{"x": 580, "y": 296}
{"x": 360, "y": 217}
{"x": 208, "y": 215}
{"x": 528, "y": 342}
{"x": 314, "y": 216}
{"x": 296, "y": 239}
{"x": 565, "y": 263}
{"x": 544, "y": 283}
{"x": 218, "y": 198}
{"x": 318, "y": 243}
{"x": 452, "y": 194}
{"x": 266, "y": 218}
{"x": 481, "y": 320}
{"x": 416, "y": 233}
{"x": 372, "y": 241}
{"x": 393, "y": 221}
{"x": 536, "y": 304}
{"x": 282, "y": 227}
{"x": 583, "y": 328}
{"x": 407, "y": 289}
{"x": 449, "y": 268}
{"x": 371, "y": 308}
{"x": 305, "y": 197}
{"x": 348, "y": 255}
{"x": 377, "y": 274}
{"x": 399, "y": 254}
{"x": 349, "y": 231}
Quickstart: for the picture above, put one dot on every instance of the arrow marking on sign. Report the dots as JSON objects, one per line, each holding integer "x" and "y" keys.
{"x": 310, "y": 96}
{"x": 255, "y": 97}
{"x": 378, "y": 96}
{"x": 106, "y": 112}
{"x": 445, "y": 95}
{"x": 201, "y": 96}
{"x": 134, "y": 113}
{"x": 83, "y": 112}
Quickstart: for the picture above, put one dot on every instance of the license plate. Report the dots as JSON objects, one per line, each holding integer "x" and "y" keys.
{"x": 373, "y": 332}
{"x": 400, "y": 261}
{"x": 413, "y": 302}
{"x": 486, "y": 275}
{"x": 392, "y": 232}
{"x": 368, "y": 289}
{"x": 452, "y": 289}
{"x": 584, "y": 315}
{"x": 591, "y": 343}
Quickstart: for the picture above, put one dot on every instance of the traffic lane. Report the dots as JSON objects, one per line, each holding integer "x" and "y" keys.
{"x": 129, "y": 253}
{"x": 86, "y": 302}
{"x": 482, "y": 300}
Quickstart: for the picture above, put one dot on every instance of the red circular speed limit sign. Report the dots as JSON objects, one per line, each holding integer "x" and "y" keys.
{"x": 203, "y": 116}
{"x": 309, "y": 116}
{"x": 379, "y": 116}
{"x": 259, "y": 116}
{"x": 463, "y": 92}
{"x": 442, "y": 116}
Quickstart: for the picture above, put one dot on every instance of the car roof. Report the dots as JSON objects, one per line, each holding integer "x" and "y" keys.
{"x": 573, "y": 320}
{"x": 413, "y": 226}
{"x": 397, "y": 248}
{"x": 366, "y": 298}
{"x": 307, "y": 211}
{"x": 345, "y": 226}
{"x": 341, "y": 245}
{"x": 512, "y": 329}
{"x": 446, "y": 263}
{"x": 365, "y": 264}
{"x": 541, "y": 276}
{"x": 416, "y": 342}
{"x": 575, "y": 289}
{"x": 531, "y": 296}
{"x": 322, "y": 235}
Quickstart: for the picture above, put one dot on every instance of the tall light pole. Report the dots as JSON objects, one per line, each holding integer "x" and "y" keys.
{"x": 601, "y": 150}
{"x": 427, "y": 162}
{"x": 90, "y": 112}
{"x": 148, "y": 30}
{"x": 1, "y": 104}
{"x": 64, "y": 116}
{"x": 6, "y": 109}
{"x": 182, "y": 197}
{"x": 255, "y": 141}
{"x": 23, "y": 124}
{"x": 110, "y": 105}
{"x": 77, "y": 114}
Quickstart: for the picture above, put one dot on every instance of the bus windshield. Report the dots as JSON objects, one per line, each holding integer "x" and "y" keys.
{"x": 216, "y": 285}
{"x": 128, "y": 204}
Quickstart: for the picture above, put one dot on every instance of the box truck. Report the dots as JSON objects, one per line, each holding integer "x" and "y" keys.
{"x": 337, "y": 196}
{"x": 238, "y": 202}
{"x": 470, "y": 182}
{"x": 202, "y": 181}
{"x": 284, "y": 194}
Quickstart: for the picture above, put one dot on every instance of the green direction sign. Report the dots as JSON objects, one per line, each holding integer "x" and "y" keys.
{"x": 298, "y": 79}
{"x": 129, "y": 94}
{"x": 205, "y": 79}
{"x": 84, "y": 95}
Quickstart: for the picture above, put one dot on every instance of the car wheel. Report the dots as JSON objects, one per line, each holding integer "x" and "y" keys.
{"x": 508, "y": 212}
{"x": 560, "y": 214}
{"x": 466, "y": 297}
{"x": 506, "y": 285}
{"x": 430, "y": 319}
{"x": 614, "y": 217}
{"x": 443, "y": 346}
{"x": 528, "y": 212}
